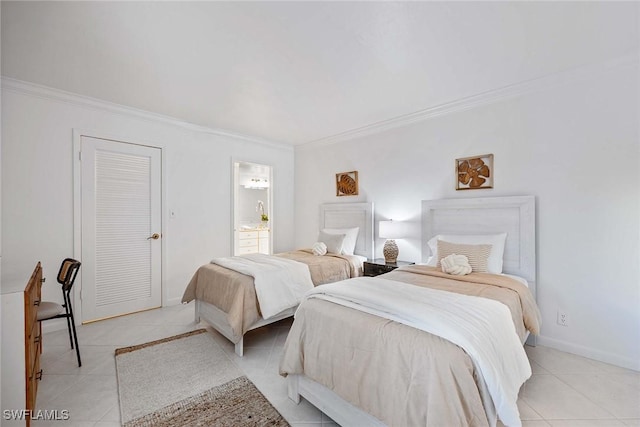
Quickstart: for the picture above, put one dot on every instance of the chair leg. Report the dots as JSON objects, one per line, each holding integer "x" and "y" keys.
{"x": 75, "y": 337}
{"x": 69, "y": 328}
{"x": 73, "y": 326}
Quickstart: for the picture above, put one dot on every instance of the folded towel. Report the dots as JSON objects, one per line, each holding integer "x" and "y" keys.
{"x": 455, "y": 264}
{"x": 319, "y": 248}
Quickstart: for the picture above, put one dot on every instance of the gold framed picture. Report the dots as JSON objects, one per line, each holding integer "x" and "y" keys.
{"x": 347, "y": 183}
{"x": 473, "y": 173}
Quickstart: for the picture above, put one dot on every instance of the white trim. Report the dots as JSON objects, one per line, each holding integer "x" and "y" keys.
{"x": 565, "y": 77}
{"x": 492, "y": 96}
{"x": 171, "y": 301}
{"x": 234, "y": 194}
{"x": 164, "y": 226}
{"x": 77, "y": 208}
{"x": 59, "y": 95}
{"x": 590, "y": 353}
{"x": 77, "y": 220}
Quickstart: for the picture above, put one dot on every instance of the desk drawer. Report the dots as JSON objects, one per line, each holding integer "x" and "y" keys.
{"x": 33, "y": 345}
{"x": 32, "y": 301}
{"x": 32, "y": 384}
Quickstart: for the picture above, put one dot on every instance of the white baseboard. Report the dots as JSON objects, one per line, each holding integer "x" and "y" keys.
{"x": 591, "y": 353}
{"x": 60, "y": 324}
{"x": 173, "y": 301}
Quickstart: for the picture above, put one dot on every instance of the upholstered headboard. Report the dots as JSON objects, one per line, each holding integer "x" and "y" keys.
{"x": 348, "y": 215}
{"x": 513, "y": 215}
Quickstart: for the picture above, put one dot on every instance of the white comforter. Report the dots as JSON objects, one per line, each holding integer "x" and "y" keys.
{"x": 482, "y": 327}
{"x": 280, "y": 283}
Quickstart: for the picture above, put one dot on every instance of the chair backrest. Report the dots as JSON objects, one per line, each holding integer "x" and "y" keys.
{"x": 68, "y": 272}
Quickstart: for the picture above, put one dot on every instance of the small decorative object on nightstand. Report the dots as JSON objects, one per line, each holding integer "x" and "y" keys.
{"x": 391, "y": 230}
{"x": 375, "y": 267}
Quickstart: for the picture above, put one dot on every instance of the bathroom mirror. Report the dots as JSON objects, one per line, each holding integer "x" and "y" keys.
{"x": 252, "y": 212}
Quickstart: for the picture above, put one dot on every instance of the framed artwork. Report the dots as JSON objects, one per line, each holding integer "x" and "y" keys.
{"x": 474, "y": 172}
{"x": 347, "y": 183}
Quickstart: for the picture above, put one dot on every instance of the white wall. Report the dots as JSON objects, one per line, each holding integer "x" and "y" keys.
{"x": 574, "y": 145}
{"x": 37, "y": 183}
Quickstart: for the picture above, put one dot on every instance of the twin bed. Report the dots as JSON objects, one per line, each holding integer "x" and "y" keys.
{"x": 363, "y": 352}
{"x": 363, "y": 369}
{"x": 227, "y": 300}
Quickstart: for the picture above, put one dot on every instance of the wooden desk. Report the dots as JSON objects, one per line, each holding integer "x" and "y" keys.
{"x": 21, "y": 348}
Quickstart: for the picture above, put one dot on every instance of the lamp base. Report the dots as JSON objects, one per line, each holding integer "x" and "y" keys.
{"x": 390, "y": 251}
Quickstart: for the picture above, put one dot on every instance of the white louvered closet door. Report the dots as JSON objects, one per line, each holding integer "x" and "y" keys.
{"x": 121, "y": 212}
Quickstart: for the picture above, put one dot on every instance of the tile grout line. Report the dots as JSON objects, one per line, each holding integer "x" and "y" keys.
{"x": 584, "y": 395}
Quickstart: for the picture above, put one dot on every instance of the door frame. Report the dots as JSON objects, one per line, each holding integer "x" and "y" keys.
{"x": 234, "y": 199}
{"x": 77, "y": 207}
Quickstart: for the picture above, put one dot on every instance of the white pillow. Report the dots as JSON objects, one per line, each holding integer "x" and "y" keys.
{"x": 334, "y": 242}
{"x": 494, "y": 263}
{"x": 350, "y": 240}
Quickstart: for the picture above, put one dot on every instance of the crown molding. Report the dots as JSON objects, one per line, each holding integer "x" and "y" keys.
{"x": 562, "y": 78}
{"x": 58, "y": 95}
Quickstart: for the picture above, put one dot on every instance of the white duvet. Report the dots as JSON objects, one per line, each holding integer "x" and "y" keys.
{"x": 280, "y": 283}
{"x": 482, "y": 327}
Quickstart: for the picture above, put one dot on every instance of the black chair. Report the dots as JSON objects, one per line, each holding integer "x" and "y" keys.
{"x": 53, "y": 310}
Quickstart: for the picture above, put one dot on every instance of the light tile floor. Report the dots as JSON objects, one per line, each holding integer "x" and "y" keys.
{"x": 564, "y": 391}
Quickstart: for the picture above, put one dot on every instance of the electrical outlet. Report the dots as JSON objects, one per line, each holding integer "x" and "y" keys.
{"x": 563, "y": 319}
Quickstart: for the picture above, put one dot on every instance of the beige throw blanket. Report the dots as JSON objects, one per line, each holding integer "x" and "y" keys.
{"x": 399, "y": 374}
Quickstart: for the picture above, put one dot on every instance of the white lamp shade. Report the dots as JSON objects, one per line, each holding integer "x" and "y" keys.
{"x": 392, "y": 230}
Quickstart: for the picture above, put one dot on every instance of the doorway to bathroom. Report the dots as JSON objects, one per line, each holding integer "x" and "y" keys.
{"x": 252, "y": 208}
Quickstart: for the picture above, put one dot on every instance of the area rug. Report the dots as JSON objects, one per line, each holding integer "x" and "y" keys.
{"x": 187, "y": 380}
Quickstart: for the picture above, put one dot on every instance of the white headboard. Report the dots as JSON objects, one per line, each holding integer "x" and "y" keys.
{"x": 514, "y": 215}
{"x": 348, "y": 215}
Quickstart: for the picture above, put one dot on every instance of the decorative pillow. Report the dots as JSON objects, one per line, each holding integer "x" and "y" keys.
{"x": 477, "y": 255}
{"x": 319, "y": 248}
{"x": 456, "y": 264}
{"x": 334, "y": 242}
{"x": 350, "y": 240}
{"x": 497, "y": 241}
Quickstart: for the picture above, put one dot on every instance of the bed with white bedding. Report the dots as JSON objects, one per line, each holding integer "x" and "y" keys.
{"x": 238, "y": 294}
{"x": 418, "y": 346}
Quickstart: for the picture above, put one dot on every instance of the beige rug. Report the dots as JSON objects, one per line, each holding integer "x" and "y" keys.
{"x": 187, "y": 380}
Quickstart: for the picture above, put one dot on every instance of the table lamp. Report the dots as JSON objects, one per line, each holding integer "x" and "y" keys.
{"x": 391, "y": 230}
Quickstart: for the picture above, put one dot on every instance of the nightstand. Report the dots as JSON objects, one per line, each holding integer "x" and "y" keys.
{"x": 375, "y": 267}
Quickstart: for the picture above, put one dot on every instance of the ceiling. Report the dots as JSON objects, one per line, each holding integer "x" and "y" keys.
{"x": 298, "y": 72}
